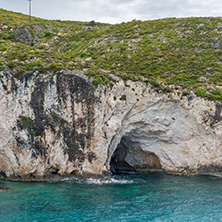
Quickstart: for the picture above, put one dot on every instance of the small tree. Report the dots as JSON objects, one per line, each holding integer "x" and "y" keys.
{"x": 92, "y": 23}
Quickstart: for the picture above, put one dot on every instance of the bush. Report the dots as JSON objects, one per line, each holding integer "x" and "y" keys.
{"x": 11, "y": 64}
{"x": 92, "y": 23}
{"x": 55, "y": 67}
{"x": 26, "y": 122}
{"x": 200, "y": 92}
{"x": 48, "y": 34}
{"x": 124, "y": 76}
{"x": 23, "y": 56}
{"x": 96, "y": 82}
{"x": 123, "y": 98}
{"x": 154, "y": 83}
{"x": 36, "y": 63}
{"x": 55, "y": 117}
{"x": 216, "y": 92}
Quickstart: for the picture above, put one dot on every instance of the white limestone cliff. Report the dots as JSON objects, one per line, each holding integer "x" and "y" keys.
{"x": 62, "y": 125}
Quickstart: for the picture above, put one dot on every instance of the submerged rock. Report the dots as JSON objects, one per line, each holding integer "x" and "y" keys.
{"x": 3, "y": 187}
{"x": 61, "y": 125}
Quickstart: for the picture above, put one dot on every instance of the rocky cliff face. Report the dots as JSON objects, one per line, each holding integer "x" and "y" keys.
{"x": 62, "y": 125}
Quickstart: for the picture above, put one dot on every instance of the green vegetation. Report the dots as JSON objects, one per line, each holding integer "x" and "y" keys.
{"x": 185, "y": 54}
{"x": 60, "y": 122}
{"x": 200, "y": 92}
{"x": 123, "y": 98}
{"x": 27, "y": 123}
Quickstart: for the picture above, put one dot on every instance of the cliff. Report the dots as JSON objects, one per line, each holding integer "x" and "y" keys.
{"x": 62, "y": 125}
{"x": 92, "y": 99}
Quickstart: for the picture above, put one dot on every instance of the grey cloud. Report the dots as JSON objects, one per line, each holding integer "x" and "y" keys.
{"x": 177, "y": 8}
{"x": 115, "y": 11}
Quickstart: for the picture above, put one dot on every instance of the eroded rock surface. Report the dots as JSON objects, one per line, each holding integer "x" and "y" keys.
{"x": 60, "y": 124}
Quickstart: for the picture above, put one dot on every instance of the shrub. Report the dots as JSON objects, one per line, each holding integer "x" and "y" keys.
{"x": 26, "y": 122}
{"x": 48, "y": 34}
{"x": 38, "y": 64}
{"x": 82, "y": 55}
{"x": 55, "y": 117}
{"x": 185, "y": 93}
{"x": 124, "y": 76}
{"x": 92, "y": 23}
{"x": 154, "y": 83}
{"x": 11, "y": 64}
{"x": 23, "y": 56}
{"x": 200, "y": 92}
{"x": 216, "y": 92}
{"x": 96, "y": 82}
{"x": 123, "y": 98}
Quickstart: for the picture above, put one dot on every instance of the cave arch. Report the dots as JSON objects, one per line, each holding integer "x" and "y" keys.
{"x": 130, "y": 157}
{"x": 162, "y": 135}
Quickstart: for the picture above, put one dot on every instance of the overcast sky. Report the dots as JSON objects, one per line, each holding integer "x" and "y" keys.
{"x": 115, "y": 11}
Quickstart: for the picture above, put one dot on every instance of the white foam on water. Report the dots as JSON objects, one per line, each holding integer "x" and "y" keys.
{"x": 65, "y": 179}
{"x": 108, "y": 181}
{"x": 99, "y": 181}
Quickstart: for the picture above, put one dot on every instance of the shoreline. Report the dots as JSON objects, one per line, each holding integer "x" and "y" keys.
{"x": 58, "y": 178}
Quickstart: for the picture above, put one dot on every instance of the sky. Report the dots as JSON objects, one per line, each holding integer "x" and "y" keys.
{"x": 115, "y": 11}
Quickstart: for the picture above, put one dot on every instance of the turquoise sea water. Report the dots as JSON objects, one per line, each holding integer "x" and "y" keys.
{"x": 136, "y": 197}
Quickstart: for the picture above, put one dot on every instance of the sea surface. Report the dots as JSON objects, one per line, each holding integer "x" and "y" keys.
{"x": 133, "y": 197}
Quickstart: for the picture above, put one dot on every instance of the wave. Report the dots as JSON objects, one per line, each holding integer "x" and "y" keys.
{"x": 100, "y": 181}
{"x": 108, "y": 181}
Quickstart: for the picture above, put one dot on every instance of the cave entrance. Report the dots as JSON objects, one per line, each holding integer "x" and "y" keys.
{"x": 130, "y": 157}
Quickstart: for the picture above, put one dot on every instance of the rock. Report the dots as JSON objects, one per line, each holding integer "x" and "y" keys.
{"x": 58, "y": 125}
{"x": 3, "y": 187}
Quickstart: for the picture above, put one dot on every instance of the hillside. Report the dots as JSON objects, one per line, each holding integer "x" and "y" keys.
{"x": 171, "y": 54}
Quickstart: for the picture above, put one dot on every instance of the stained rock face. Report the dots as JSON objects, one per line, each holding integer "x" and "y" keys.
{"x": 62, "y": 125}
{"x": 46, "y": 125}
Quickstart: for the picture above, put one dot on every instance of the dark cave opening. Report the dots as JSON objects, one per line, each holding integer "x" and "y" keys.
{"x": 129, "y": 157}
